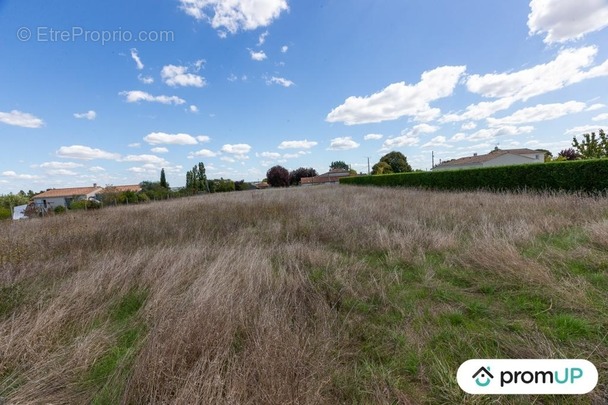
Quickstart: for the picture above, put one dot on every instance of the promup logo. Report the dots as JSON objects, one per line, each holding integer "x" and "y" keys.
{"x": 527, "y": 376}
{"x": 484, "y": 374}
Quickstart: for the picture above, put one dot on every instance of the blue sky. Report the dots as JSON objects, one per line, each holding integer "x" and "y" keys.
{"x": 111, "y": 92}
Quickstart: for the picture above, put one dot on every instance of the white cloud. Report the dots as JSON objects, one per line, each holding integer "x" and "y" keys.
{"x": 178, "y": 76}
{"x": 89, "y": 115}
{"x": 227, "y": 159}
{"x": 20, "y": 119}
{"x": 305, "y": 144}
{"x": 262, "y": 38}
{"x": 400, "y": 141}
{"x": 400, "y": 99}
{"x": 145, "y": 79}
{"x": 236, "y": 149}
{"x": 159, "y": 149}
{"x": 370, "y": 137}
{"x": 343, "y": 143}
{"x": 134, "y": 145}
{"x": 480, "y": 110}
{"x": 601, "y": 117}
{"x": 14, "y": 175}
{"x": 583, "y": 129}
{"x": 280, "y": 80}
{"x": 491, "y": 133}
{"x": 60, "y": 165}
{"x": 284, "y": 49}
{"x": 564, "y": 70}
{"x": 148, "y": 159}
{"x": 540, "y": 112}
{"x": 135, "y": 96}
{"x": 97, "y": 169}
{"x": 437, "y": 141}
{"x": 203, "y": 138}
{"x": 136, "y": 58}
{"x": 595, "y": 107}
{"x": 468, "y": 126}
{"x": 193, "y": 109}
{"x": 269, "y": 155}
{"x": 258, "y": 56}
{"x": 85, "y": 153}
{"x": 234, "y": 15}
{"x": 409, "y": 138}
{"x": 61, "y": 172}
{"x": 204, "y": 153}
{"x": 232, "y": 78}
{"x": 458, "y": 137}
{"x": 566, "y": 20}
{"x": 199, "y": 64}
{"x": 293, "y": 155}
{"x": 157, "y": 138}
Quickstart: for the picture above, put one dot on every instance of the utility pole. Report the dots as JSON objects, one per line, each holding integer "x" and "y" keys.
{"x": 368, "y": 172}
{"x": 433, "y": 159}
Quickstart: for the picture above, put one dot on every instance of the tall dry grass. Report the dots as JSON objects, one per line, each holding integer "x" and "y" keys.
{"x": 241, "y": 297}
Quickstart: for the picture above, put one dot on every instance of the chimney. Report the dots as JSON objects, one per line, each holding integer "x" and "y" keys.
{"x": 474, "y": 154}
{"x": 95, "y": 185}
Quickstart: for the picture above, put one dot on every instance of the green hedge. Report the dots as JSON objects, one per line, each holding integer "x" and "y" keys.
{"x": 581, "y": 175}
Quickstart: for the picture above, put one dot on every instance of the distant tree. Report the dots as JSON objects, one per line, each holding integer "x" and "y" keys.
{"x": 339, "y": 164}
{"x": 295, "y": 177}
{"x": 568, "y": 154}
{"x": 13, "y": 200}
{"x": 153, "y": 190}
{"x": 278, "y": 176}
{"x": 196, "y": 179}
{"x": 397, "y": 161}
{"x": 382, "y": 168}
{"x": 592, "y": 146}
{"x": 163, "y": 179}
{"x": 223, "y": 185}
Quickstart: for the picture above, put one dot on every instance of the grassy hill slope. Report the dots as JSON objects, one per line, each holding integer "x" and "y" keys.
{"x": 320, "y": 295}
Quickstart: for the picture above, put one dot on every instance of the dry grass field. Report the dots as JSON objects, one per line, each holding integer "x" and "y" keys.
{"x": 304, "y": 296}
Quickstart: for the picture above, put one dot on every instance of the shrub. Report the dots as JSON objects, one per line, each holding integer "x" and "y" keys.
{"x": 5, "y": 213}
{"x": 60, "y": 209}
{"x": 580, "y": 175}
{"x": 84, "y": 204}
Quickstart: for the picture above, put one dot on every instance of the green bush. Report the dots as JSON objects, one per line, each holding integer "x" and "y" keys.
{"x": 83, "y": 204}
{"x": 60, "y": 209}
{"x": 5, "y": 213}
{"x": 582, "y": 175}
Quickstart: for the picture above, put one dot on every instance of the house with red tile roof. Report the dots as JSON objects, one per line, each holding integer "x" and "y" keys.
{"x": 331, "y": 177}
{"x": 497, "y": 157}
{"x": 55, "y": 197}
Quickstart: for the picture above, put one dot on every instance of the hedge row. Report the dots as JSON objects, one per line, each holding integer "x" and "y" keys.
{"x": 580, "y": 175}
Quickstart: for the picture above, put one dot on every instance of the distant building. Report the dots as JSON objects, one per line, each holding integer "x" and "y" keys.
{"x": 56, "y": 197}
{"x": 331, "y": 177}
{"x": 498, "y": 157}
{"x": 260, "y": 185}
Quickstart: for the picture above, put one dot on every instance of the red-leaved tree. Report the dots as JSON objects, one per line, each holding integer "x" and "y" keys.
{"x": 278, "y": 176}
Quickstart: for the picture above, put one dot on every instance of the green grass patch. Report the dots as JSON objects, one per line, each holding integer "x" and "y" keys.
{"x": 566, "y": 327}
{"x": 11, "y": 297}
{"x": 110, "y": 372}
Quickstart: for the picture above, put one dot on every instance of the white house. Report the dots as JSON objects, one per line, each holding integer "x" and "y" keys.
{"x": 64, "y": 196}
{"x": 498, "y": 157}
